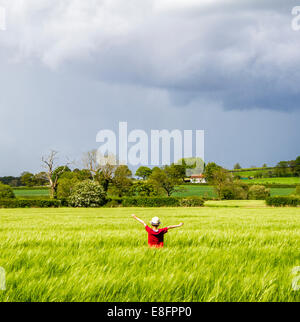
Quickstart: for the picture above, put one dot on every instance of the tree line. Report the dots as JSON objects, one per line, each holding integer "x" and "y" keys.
{"x": 118, "y": 180}
{"x": 282, "y": 169}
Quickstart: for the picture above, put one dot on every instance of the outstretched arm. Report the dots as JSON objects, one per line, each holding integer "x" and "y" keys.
{"x": 139, "y": 220}
{"x": 175, "y": 226}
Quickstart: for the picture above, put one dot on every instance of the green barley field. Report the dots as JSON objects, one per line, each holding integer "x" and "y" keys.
{"x": 240, "y": 251}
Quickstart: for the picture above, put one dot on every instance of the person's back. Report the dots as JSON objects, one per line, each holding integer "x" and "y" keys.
{"x": 156, "y": 235}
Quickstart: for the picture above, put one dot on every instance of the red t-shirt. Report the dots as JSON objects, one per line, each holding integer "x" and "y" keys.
{"x": 156, "y": 238}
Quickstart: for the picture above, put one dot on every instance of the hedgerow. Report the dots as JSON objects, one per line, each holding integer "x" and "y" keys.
{"x": 282, "y": 201}
{"x": 162, "y": 202}
{"x": 111, "y": 202}
{"x": 6, "y": 192}
{"x": 30, "y": 203}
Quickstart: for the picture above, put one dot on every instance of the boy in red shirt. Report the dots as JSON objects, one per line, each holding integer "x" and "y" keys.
{"x": 155, "y": 235}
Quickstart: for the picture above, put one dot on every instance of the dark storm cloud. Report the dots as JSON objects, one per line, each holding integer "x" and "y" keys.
{"x": 243, "y": 54}
{"x": 71, "y": 68}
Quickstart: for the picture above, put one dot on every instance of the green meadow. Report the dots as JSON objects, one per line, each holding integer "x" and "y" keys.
{"x": 227, "y": 251}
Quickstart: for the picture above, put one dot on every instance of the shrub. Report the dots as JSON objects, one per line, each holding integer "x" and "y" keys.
{"x": 257, "y": 192}
{"x": 282, "y": 201}
{"x": 241, "y": 192}
{"x": 191, "y": 202}
{"x": 234, "y": 191}
{"x": 87, "y": 194}
{"x": 6, "y": 192}
{"x": 227, "y": 193}
{"x": 29, "y": 203}
{"x": 144, "y": 189}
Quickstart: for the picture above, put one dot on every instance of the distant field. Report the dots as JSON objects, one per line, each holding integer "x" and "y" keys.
{"x": 193, "y": 190}
{"x": 282, "y": 191}
{"x": 208, "y": 191}
{"x": 246, "y": 173}
{"x": 291, "y": 180}
{"x": 31, "y": 193}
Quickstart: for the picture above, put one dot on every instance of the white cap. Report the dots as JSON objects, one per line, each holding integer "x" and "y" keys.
{"x": 155, "y": 221}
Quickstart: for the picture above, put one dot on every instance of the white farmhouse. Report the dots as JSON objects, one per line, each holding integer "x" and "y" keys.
{"x": 197, "y": 178}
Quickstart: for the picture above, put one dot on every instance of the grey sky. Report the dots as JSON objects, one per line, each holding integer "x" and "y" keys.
{"x": 71, "y": 68}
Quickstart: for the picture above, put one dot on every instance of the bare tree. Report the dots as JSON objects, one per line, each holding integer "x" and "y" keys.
{"x": 90, "y": 162}
{"x": 101, "y": 167}
{"x": 52, "y": 175}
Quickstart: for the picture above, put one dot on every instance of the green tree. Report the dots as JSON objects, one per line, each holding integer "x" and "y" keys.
{"x": 11, "y": 181}
{"x": 282, "y": 169}
{"x": 297, "y": 167}
{"x": 143, "y": 172}
{"x": 144, "y": 189}
{"x": 27, "y": 179}
{"x": 82, "y": 174}
{"x": 60, "y": 171}
{"x": 164, "y": 179}
{"x": 122, "y": 181}
{"x": 237, "y": 166}
{"x": 220, "y": 178}
{"x": 66, "y": 186}
{"x": 209, "y": 171}
{"x": 6, "y": 192}
{"x": 40, "y": 179}
{"x": 177, "y": 171}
